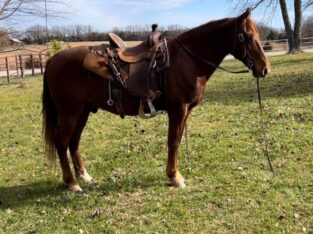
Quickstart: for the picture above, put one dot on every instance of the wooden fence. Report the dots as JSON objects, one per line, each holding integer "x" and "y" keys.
{"x": 21, "y": 65}
{"x": 282, "y": 45}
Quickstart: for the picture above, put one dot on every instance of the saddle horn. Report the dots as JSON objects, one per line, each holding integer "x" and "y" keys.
{"x": 155, "y": 36}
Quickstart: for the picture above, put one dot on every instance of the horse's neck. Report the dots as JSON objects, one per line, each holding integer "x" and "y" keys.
{"x": 212, "y": 41}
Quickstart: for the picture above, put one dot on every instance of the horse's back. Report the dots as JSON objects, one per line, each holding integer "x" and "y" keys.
{"x": 71, "y": 85}
{"x": 66, "y": 59}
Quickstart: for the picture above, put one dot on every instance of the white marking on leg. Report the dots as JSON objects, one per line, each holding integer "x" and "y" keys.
{"x": 178, "y": 181}
{"x": 75, "y": 188}
{"x": 86, "y": 177}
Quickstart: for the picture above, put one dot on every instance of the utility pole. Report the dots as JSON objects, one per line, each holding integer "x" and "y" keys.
{"x": 46, "y": 15}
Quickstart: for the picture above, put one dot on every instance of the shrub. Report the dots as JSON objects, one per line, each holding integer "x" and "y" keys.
{"x": 56, "y": 47}
{"x": 28, "y": 63}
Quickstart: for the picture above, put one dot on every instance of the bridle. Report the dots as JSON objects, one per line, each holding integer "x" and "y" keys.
{"x": 246, "y": 58}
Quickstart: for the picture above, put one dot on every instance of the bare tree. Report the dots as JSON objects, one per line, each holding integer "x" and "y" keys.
{"x": 308, "y": 4}
{"x": 4, "y": 38}
{"x": 36, "y": 34}
{"x": 293, "y": 32}
{"x": 307, "y": 29}
{"x": 15, "y": 9}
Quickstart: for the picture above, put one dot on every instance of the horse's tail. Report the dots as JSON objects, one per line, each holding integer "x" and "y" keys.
{"x": 49, "y": 119}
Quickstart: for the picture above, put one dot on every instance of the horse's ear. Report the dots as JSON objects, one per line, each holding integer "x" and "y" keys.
{"x": 246, "y": 14}
{"x": 243, "y": 17}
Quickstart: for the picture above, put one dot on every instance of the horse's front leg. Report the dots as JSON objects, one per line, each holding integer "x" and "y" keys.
{"x": 177, "y": 118}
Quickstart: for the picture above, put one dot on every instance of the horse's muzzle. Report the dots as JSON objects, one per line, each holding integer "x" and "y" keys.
{"x": 265, "y": 72}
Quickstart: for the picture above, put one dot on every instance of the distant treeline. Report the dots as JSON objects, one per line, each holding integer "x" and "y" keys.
{"x": 37, "y": 34}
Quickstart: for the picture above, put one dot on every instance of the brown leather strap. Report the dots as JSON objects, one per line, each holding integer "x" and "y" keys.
{"x": 117, "y": 97}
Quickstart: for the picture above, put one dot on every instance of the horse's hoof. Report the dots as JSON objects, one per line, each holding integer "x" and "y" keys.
{"x": 85, "y": 177}
{"x": 75, "y": 188}
{"x": 178, "y": 184}
{"x": 178, "y": 181}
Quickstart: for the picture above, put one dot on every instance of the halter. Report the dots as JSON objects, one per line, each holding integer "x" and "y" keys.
{"x": 246, "y": 55}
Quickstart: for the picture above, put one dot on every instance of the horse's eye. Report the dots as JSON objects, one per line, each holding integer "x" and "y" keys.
{"x": 250, "y": 38}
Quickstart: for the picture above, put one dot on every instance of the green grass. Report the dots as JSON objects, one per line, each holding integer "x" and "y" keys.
{"x": 230, "y": 188}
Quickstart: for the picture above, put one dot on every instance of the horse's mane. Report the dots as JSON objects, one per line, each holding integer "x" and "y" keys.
{"x": 252, "y": 28}
{"x": 215, "y": 24}
{"x": 208, "y": 26}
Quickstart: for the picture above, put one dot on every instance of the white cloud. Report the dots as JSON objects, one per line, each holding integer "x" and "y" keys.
{"x": 151, "y": 4}
{"x": 104, "y": 15}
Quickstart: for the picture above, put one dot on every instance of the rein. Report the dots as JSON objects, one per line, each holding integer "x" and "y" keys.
{"x": 205, "y": 61}
{"x": 264, "y": 141}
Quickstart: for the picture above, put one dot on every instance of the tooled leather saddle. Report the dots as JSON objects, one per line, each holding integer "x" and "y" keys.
{"x": 138, "y": 69}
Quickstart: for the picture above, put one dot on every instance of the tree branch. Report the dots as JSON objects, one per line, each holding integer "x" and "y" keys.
{"x": 16, "y": 9}
{"x": 308, "y": 4}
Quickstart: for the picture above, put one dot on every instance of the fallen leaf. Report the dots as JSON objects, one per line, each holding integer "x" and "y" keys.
{"x": 95, "y": 214}
{"x": 240, "y": 168}
{"x": 297, "y": 216}
{"x": 9, "y": 211}
{"x": 67, "y": 210}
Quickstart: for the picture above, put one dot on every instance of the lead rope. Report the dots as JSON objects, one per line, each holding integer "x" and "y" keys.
{"x": 263, "y": 140}
{"x": 264, "y": 143}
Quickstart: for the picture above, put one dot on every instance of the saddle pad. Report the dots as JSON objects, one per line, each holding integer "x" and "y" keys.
{"x": 97, "y": 64}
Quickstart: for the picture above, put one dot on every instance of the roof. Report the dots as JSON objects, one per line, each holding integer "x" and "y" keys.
{"x": 15, "y": 40}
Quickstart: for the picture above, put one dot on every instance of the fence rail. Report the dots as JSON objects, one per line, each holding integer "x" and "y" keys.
{"x": 282, "y": 45}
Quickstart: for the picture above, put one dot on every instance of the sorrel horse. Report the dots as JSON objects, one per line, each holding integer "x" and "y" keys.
{"x": 70, "y": 92}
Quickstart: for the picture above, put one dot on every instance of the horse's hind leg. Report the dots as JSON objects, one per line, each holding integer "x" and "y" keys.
{"x": 66, "y": 126}
{"x": 80, "y": 170}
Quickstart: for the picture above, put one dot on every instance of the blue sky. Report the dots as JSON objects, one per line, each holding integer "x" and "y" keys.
{"x": 104, "y": 15}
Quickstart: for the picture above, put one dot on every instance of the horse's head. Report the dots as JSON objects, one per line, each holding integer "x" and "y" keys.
{"x": 247, "y": 46}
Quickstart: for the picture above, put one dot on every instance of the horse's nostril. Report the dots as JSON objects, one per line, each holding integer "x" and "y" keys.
{"x": 265, "y": 71}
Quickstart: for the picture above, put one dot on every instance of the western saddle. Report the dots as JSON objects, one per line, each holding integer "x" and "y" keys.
{"x": 139, "y": 69}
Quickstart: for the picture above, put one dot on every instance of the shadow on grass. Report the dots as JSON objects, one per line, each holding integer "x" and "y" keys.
{"x": 20, "y": 195}
{"x": 47, "y": 192}
{"x": 16, "y": 83}
{"x": 131, "y": 183}
{"x": 291, "y": 61}
{"x": 244, "y": 90}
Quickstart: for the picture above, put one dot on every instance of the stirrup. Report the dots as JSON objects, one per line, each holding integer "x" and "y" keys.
{"x": 141, "y": 112}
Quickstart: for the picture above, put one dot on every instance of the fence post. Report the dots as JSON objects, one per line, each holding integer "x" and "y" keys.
{"x": 16, "y": 65}
{"x": 40, "y": 62}
{"x": 7, "y": 68}
{"x": 21, "y": 65}
{"x": 32, "y": 64}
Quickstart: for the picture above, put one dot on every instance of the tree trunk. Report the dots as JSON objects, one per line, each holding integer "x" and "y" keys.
{"x": 298, "y": 24}
{"x": 287, "y": 24}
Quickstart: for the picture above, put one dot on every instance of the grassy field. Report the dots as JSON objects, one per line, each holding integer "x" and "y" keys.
{"x": 230, "y": 189}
